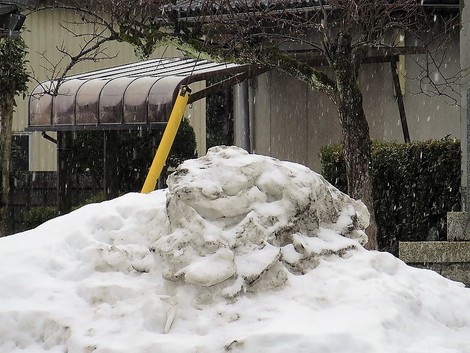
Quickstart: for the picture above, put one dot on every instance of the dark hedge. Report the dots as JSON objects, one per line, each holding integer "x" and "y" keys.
{"x": 415, "y": 185}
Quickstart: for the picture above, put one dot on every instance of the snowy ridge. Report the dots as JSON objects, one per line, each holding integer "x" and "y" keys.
{"x": 242, "y": 254}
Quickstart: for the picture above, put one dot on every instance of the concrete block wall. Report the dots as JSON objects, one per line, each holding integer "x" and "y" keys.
{"x": 450, "y": 258}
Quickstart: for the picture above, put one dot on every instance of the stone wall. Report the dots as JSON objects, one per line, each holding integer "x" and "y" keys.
{"x": 449, "y": 258}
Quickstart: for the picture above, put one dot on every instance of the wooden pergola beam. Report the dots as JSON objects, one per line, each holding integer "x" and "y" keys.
{"x": 374, "y": 55}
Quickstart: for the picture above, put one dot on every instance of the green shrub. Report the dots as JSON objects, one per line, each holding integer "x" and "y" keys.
{"x": 136, "y": 149}
{"x": 97, "y": 198}
{"x": 415, "y": 185}
{"x": 219, "y": 128}
{"x": 36, "y": 216}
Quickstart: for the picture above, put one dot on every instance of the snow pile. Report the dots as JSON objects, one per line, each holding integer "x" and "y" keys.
{"x": 242, "y": 253}
{"x": 240, "y": 222}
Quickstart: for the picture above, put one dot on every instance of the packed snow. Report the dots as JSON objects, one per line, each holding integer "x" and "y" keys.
{"x": 242, "y": 253}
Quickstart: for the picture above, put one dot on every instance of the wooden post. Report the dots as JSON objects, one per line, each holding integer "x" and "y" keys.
{"x": 401, "y": 105}
{"x": 64, "y": 171}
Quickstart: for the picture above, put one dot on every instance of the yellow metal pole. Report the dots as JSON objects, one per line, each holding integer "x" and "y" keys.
{"x": 167, "y": 140}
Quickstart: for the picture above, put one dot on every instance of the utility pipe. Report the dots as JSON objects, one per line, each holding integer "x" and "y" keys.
{"x": 242, "y": 116}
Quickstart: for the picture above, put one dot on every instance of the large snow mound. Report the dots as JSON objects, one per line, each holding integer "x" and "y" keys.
{"x": 241, "y": 253}
{"x": 238, "y": 220}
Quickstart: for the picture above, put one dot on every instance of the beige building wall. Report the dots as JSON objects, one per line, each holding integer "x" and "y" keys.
{"x": 292, "y": 122}
{"x": 43, "y": 35}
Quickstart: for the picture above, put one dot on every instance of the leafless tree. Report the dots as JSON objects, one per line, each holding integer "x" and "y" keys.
{"x": 287, "y": 35}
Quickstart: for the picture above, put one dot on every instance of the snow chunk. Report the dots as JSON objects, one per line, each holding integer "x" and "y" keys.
{"x": 243, "y": 222}
{"x": 251, "y": 265}
{"x": 210, "y": 269}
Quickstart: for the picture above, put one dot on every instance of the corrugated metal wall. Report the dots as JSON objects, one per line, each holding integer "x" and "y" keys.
{"x": 43, "y": 35}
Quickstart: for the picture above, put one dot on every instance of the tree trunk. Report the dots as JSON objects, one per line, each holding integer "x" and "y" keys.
{"x": 355, "y": 129}
{"x": 357, "y": 154}
{"x": 6, "y": 116}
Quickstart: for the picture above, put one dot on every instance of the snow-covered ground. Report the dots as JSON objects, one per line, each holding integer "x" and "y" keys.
{"x": 242, "y": 253}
